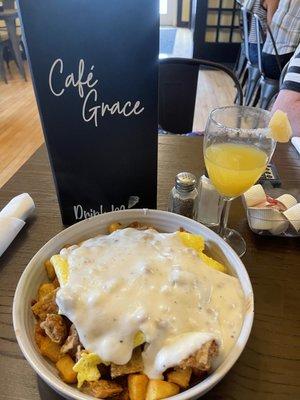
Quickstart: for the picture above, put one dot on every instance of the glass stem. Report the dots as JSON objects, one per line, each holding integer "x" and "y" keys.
{"x": 225, "y": 204}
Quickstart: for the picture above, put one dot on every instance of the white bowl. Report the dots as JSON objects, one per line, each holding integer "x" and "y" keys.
{"x": 35, "y": 274}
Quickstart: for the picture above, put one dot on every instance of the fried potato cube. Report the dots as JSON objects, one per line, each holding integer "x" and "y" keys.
{"x": 114, "y": 227}
{"x": 133, "y": 366}
{"x": 137, "y": 386}
{"x": 102, "y": 389}
{"x": 180, "y": 376}
{"x": 139, "y": 225}
{"x": 65, "y": 368}
{"x": 39, "y": 335}
{"x": 45, "y": 306}
{"x": 56, "y": 283}
{"x": 158, "y": 389}
{"x": 50, "y": 270}
{"x": 50, "y": 349}
{"x": 44, "y": 289}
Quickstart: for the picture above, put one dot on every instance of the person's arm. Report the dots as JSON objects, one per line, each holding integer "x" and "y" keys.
{"x": 288, "y": 99}
{"x": 289, "y": 102}
{"x": 271, "y": 7}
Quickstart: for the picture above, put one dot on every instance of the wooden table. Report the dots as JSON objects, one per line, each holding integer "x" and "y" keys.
{"x": 269, "y": 367}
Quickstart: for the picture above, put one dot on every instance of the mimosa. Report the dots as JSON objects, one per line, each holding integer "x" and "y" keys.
{"x": 233, "y": 168}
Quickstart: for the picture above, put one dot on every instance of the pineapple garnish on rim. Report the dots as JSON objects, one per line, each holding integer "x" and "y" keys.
{"x": 279, "y": 127}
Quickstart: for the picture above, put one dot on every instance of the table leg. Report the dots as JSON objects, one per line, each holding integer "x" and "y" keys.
{"x": 12, "y": 34}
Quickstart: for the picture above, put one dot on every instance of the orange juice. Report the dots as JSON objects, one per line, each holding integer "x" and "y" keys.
{"x": 233, "y": 168}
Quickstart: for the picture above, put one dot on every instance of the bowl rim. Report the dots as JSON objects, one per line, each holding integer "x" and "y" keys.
{"x": 28, "y": 350}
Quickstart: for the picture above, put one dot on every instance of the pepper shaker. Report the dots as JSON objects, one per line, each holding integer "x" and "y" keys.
{"x": 184, "y": 195}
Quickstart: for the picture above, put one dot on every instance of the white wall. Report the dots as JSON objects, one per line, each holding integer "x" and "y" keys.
{"x": 171, "y": 17}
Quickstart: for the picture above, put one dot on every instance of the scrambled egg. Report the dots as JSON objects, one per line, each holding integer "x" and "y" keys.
{"x": 139, "y": 339}
{"x": 196, "y": 242}
{"x": 61, "y": 268}
{"x": 213, "y": 263}
{"x": 86, "y": 368}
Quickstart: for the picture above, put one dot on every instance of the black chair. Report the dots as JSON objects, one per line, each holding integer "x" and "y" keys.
{"x": 252, "y": 71}
{"x": 240, "y": 67}
{"x": 178, "y": 79}
{"x": 283, "y": 73}
{"x": 268, "y": 88}
{"x": 260, "y": 90}
{"x": 9, "y": 14}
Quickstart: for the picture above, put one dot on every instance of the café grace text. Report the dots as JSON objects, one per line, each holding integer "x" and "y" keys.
{"x": 85, "y": 82}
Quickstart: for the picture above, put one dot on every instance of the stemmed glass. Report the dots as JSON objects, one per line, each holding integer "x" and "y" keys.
{"x": 237, "y": 150}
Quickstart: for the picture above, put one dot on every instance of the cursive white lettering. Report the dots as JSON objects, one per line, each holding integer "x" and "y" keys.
{"x": 93, "y": 111}
{"x": 81, "y": 81}
{"x": 56, "y": 62}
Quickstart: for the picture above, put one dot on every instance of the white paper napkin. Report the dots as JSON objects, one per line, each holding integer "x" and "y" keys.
{"x": 296, "y": 143}
{"x": 208, "y": 203}
{"x": 12, "y": 219}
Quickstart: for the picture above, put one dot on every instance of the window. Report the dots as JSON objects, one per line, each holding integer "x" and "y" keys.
{"x": 163, "y": 7}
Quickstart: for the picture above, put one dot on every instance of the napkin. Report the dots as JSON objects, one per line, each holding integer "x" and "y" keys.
{"x": 296, "y": 143}
{"x": 209, "y": 203}
{"x": 12, "y": 219}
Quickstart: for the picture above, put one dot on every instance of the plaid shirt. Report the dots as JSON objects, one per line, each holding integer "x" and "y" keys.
{"x": 285, "y": 27}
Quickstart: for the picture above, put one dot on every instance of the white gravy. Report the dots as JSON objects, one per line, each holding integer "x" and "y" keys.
{"x": 132, "y": 281}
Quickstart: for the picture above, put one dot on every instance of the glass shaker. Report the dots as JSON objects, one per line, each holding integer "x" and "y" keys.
{"x": 184, "y": 195}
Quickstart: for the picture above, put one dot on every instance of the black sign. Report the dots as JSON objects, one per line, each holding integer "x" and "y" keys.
{"x": 95, "y": 70}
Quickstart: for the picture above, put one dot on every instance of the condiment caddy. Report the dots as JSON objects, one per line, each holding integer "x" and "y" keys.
{"x": 273, "y": 212}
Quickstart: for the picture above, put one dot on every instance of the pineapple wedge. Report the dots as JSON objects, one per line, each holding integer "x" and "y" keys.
{"x": 280, "y": 127}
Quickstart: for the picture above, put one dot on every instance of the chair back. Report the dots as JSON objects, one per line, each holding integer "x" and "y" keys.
{"x": 8, "y": 4}
{"x": 283, "y": 73}
{"x": 178, "y": 81}
{"x": 261, "y": 37}
{"x": 245, "y": 23}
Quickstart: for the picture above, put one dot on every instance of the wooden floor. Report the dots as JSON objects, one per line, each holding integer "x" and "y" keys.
{"x": 20, "y": 128}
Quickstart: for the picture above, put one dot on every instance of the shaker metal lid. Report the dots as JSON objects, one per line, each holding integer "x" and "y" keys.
{"x": 185, "y": 181}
